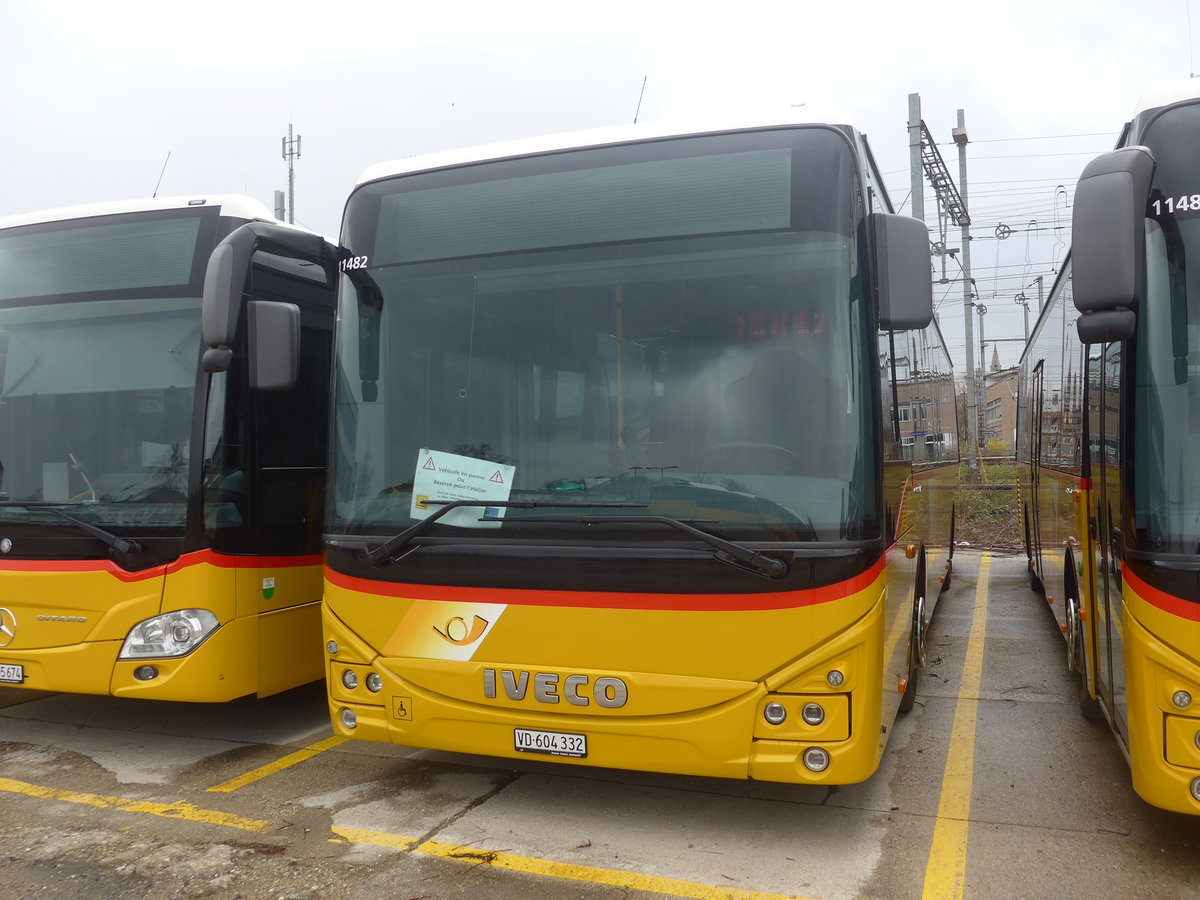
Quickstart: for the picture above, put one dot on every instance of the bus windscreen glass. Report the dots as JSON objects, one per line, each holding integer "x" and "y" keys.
{"x": 1166, "y": 398}
{"x": 678, "y": 325}
{"x": 99, "y": 341}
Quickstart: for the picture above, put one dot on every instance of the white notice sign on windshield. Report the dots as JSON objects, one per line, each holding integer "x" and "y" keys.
{"x": 444, "y": 477}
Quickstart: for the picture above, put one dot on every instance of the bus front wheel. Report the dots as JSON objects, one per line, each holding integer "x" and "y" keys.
{"x": 916, "y": 643}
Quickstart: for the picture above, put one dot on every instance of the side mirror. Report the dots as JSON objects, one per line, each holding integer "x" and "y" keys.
{"x": 225, "y": 280}
{"x": 274, "y": 343}
{"x": 1108, "y": 242}
{"x": 905, "y": 288}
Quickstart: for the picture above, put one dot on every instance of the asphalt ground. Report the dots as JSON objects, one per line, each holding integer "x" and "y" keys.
{"x": 993, "y": 786}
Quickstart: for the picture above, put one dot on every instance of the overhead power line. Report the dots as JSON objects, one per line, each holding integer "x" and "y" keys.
{"x": 1043, "y": 137}
{"x": 1041, "y": 155}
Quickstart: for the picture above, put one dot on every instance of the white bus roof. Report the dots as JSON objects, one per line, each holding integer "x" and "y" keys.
{"x": 599, "y": 137}
{"x": 231, "y": 205}
{"x": 1167, "y": 93}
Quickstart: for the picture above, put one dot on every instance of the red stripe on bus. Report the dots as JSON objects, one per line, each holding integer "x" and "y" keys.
{"x": 224, "y": 561}
{"x": 612, "y": 599}
{"x": 58, "y": 566}
{"x": 199, "y": 557}
{"x": 1168, "y": 603}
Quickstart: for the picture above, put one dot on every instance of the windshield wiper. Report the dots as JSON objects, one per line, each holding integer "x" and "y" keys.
{"x": 389, "y": 547}
{"x": 727, "y": 551}
{"x": 120, "y": 544}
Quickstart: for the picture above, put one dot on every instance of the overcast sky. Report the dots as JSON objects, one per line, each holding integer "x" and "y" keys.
{"x": 97, "y": 94}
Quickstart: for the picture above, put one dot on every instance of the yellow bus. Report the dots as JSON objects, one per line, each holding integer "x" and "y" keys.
{"x": 617, "y": 471}
{"x": 160, "y": 519}
{"x": 1110, "y": 437}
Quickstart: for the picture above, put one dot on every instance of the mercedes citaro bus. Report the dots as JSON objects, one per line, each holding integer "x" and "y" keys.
{"x": 162, "y": 456}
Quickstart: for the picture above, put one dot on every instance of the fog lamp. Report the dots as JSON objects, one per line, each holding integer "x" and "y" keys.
{"x": 1196, "y": 788}
{"x": 145, "y": 673}
{"x": 775, "y": 713}
{"x": 349, "y": 719}
{"x": 816, "y": 759}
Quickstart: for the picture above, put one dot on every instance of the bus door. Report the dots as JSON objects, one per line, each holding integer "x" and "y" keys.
{"x": 1104, "y": 531}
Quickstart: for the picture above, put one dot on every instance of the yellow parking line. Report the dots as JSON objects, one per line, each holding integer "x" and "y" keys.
{"x": 279, "y": 765}
{"x": 593, "y": 875}
{"x": 374, "y": 838}
{"x": 499, "y": 859}
{"x": 178, "y": 810}
{"x": 533, "y": 866}
{"x": 945, "y": 872}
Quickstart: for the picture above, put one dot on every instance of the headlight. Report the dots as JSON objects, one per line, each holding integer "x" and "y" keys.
{"x": 171, "y": 634}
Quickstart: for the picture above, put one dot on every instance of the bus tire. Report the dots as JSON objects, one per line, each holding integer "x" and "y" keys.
{"x": 1089, "y": 706}
{"x": 1077, "y": 663}
{"x": 916, "y": 641}
{"x": 950, "y": 560}
{"x": 1074, "y": 636}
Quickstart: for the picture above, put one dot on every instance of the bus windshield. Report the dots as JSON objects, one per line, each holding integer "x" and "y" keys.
{"x": 677, "y": 327}
{"x": 1166, "y": 400}
{"x": 99, "y": 338}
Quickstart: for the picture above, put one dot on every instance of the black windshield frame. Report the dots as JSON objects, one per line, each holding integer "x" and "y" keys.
{"x": 1163, "y": 369}
{"x": 826, "y": 204}
{"x": 162, "y": 298}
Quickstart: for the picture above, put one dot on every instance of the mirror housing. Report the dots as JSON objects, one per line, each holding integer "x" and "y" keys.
{"x": 225, "y": 280}
{"x": 1103, "y": 326}
{"x": 905, "y": 287}
{"x": 1108, "y": 238}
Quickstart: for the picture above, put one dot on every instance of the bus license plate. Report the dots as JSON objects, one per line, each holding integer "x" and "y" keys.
{"x": 554, "y": 743}
{"x": 12, "y": 674}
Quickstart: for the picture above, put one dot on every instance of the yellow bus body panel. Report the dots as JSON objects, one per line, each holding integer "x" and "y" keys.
{"x": 72, "y": 619}
{"x": 696, "y": 681}
{"x": 1164, "y": 756}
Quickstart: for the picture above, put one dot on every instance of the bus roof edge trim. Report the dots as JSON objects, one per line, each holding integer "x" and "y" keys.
{"x": 236, "y": 205}
{"x": 599, "y": 137}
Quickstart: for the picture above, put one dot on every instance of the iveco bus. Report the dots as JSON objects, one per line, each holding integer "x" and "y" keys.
{"x": 617, "y": 475}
